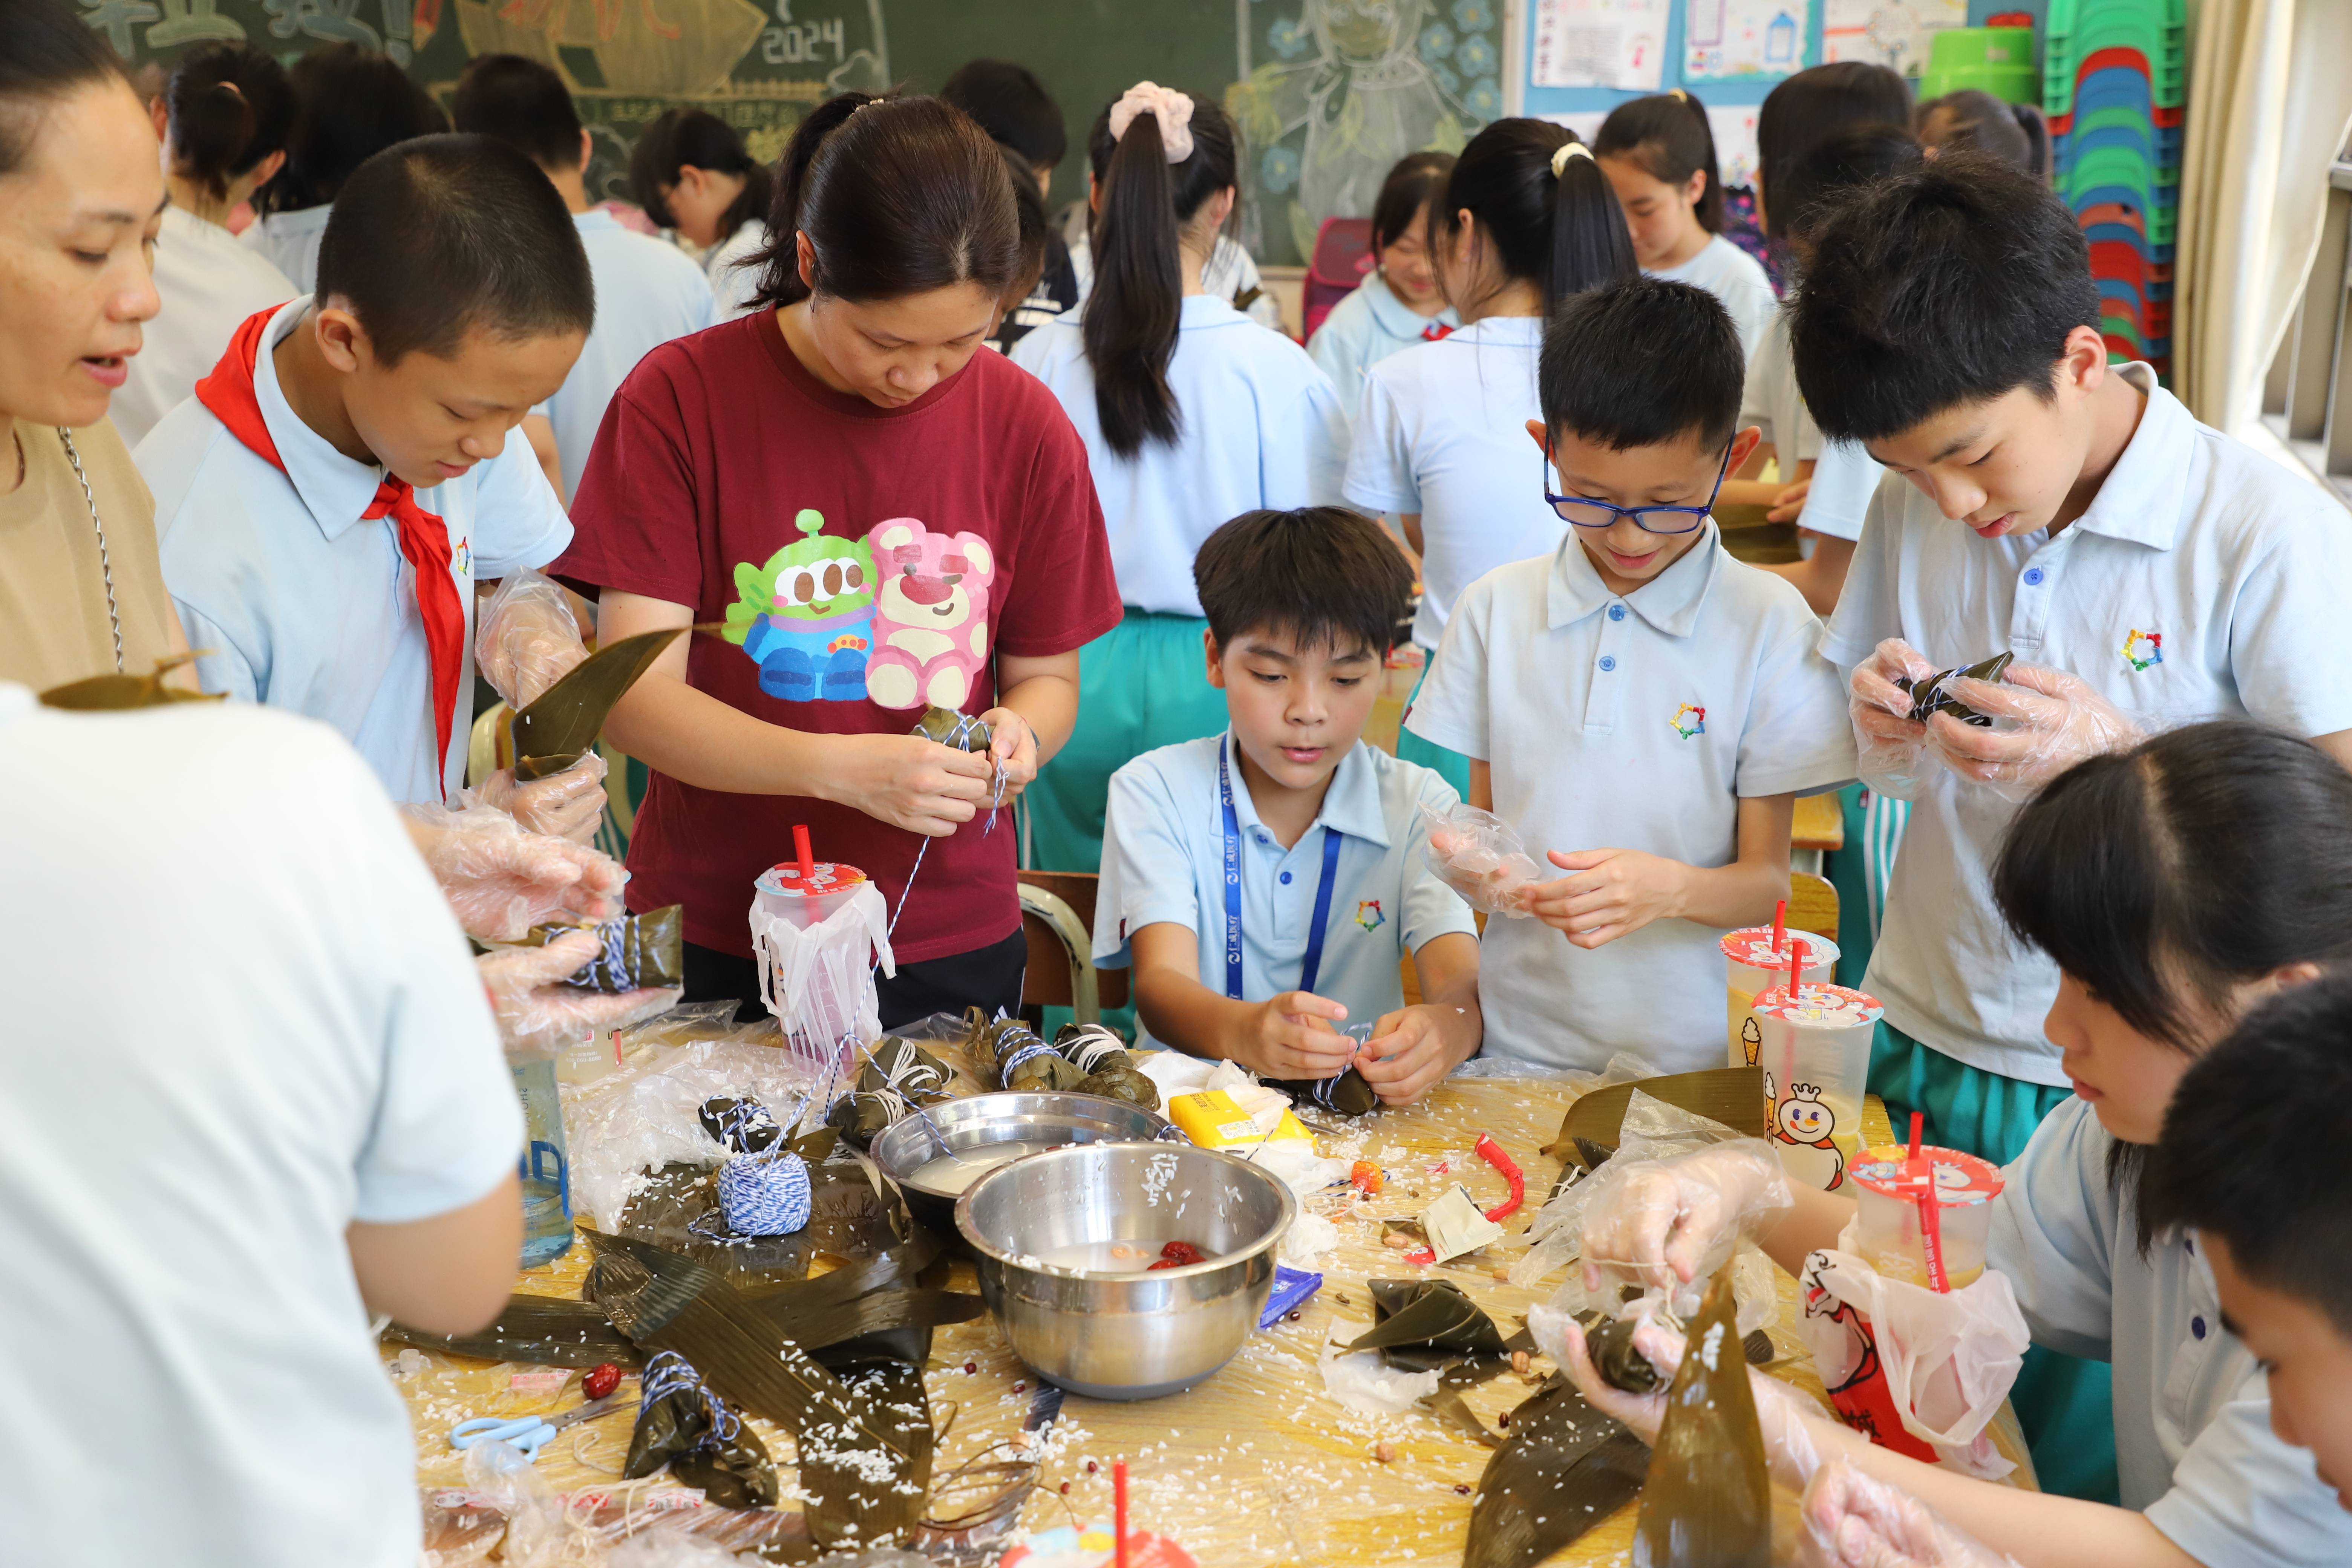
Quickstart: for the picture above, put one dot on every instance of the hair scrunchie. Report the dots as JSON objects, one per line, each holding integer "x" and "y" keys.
{"x": 1563, "y": 152}
{"x": 1170, "y": 107}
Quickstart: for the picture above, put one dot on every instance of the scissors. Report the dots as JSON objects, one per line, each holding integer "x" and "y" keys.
{"x": 529, "y": 1432}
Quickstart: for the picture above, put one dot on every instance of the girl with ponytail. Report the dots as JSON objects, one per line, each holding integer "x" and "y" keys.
{"x": 224, "y": 116}
{"x": 1659, "y": 155}
{"x": 691, "y": 172}
{"x": 1191, "y": 413}
{"x": 882, "y": 518}
{"x": 1525, "y": 219}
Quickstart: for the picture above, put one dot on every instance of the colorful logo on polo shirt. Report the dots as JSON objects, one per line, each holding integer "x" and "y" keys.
{"x": 1689, "y": 720}
{"x": 1368, "y": 916}
{"x": 2142, "y": 650}
{"x": 461, "y": 559}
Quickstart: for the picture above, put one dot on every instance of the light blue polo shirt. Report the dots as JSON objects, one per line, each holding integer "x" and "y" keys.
{"x": 295, "y": 602}
{"x": 1364, "y": 328}
{"x": 1163, "y": 860}
{"x": 2194, "y": 1447}
{"x": 648, "y": 292}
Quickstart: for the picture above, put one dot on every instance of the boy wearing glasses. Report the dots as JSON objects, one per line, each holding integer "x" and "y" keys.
{"x": 1637, "y": 703}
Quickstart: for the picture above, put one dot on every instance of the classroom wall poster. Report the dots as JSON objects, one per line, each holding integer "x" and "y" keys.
{"x": 1743, "y": 37}
{"x": 1891, "y": 33}
{"x": 1618, "y": 44}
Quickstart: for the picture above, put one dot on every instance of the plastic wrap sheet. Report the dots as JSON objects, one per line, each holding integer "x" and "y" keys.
{"x": 1257, "y": 1466}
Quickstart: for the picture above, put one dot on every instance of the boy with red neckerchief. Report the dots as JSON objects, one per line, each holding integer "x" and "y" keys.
{"x": 340, "y": 483}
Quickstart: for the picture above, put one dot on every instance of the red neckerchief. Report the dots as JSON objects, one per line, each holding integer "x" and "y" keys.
{"x": 1436, "y": 332}
{"x": 424, "y": 538}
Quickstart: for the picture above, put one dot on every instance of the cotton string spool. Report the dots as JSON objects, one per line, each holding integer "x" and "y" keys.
{"x": 765, "y": 1193}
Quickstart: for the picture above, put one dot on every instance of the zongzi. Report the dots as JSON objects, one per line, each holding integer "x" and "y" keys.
{"x": 1708, "y": 1500}
{"x": 949, "y": 728}
{"x": 1611, "y": 1342}
{"x": 1563, "y": 1468}
{"x": 1931, "y": 696}
{"x": 897, "y": 1076}
{"x": 683, "y": 1425}
{"x": 640, "y": 951}
{"x": 1009, "y": 1052}
{"x": 1421, "y": 1323}
{"x": 561, "y": 723}
{"x": 1348, "y": 1094}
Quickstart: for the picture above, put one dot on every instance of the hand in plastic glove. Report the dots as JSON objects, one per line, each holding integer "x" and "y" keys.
{"x": 1480, "y": 857}
{"x": 527, "y": 638}
{"x": 538, "y": 1013}
{"x": 567, "y": 805}
{"x": 1660, "y": 1220}
{"x": 2046, "y": 721}
{"x": 502, "y": 882}
{"x": 1852, "y": 1521}
{"x": 1893, "y": 746}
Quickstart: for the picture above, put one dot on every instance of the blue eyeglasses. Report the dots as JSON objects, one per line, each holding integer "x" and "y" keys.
{"x": 1583, "y": 512}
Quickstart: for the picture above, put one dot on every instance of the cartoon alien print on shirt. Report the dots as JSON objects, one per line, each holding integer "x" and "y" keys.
{"x": 806, "y": 616}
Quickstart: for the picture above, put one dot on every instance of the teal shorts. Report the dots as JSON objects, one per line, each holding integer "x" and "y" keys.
{"x": 1451, "y": 766}
{"x": 2066, "y": 1405}
{"x": 1141, "y": 685}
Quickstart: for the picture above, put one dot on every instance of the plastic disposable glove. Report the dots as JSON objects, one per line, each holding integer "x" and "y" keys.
{"x": 502, "y": 882}
{"x": 538, "y": 1014}
{"x": 1480, "y": 857}
{"x": 1893, "y": 745}
{"x": 1659, "y": 1222}
{"x": 2045, "y": 721}
{"x": 568, "y": 804}
{"x": 1853, "y": 1521}
{"x": 526, "y": 639}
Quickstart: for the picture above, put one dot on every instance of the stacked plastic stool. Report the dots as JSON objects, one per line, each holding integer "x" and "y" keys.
{"x": 2114, "y": 87}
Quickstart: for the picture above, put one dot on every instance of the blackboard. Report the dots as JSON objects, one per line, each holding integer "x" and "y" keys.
{"x": 1330, "y": 92}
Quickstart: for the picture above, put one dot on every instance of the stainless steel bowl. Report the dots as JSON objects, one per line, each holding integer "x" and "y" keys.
{"x": 984, "y": 1118}
{"x": 1126, "y": 1336}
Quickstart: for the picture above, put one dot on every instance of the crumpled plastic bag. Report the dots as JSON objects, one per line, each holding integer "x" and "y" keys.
{"x": 1850, "y": 1520}
{"x": 1480, "y": 857}
{"x": 501, "y": 880}
{"x": 818, "y": 979}
{"x": 1915, "y": 1364}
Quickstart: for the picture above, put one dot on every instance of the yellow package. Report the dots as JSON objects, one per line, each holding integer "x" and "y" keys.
{"x": 1214, "y": 1118}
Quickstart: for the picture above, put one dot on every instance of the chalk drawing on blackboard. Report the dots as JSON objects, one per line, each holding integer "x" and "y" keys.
{"x": 1354, "y": 86}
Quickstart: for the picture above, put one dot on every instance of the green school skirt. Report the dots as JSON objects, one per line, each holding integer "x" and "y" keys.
{"x": 1451, "y": 766}
{"x": 1141, "y": 685}
{"x": 1859, "y": 872}
{"x": 2066, "y": 1405}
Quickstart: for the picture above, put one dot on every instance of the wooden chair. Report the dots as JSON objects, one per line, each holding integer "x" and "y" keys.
{"x": 1057, "y": 915}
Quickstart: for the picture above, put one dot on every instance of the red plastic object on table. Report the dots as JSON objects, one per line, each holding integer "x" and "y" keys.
{"x": 1492, "y": 1152}
{"x": 1343, "y": 258}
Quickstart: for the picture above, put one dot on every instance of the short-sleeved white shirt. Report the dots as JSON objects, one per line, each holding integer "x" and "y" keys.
{"x": 207, "y": 284}
{"x": 1633, "y": 722}
{"x": 1843, "y": 474}
{"x": 290, "y": 242}
{"x": 2205, "y": 582}
{"x": 1163, "y": 861}
{"x": 733, "y": 284}
{"x": 1261, "y": 427}
{"x": 2194, "y": 1447}
{"x": 648, "y": 292}
{"x": 1441, "y": 430}
{"x": 1364, "y": 328}
{"x": 1736, "y": 279}
{"x": 241, "y": 1017}
{"x": 304, "y": 606}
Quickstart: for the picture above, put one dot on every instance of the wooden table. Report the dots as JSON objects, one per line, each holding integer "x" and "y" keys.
{"x": 1819, "y": 827}
{"x": 1255, "y": 1467}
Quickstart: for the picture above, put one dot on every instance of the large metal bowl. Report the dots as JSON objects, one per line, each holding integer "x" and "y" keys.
{"x": 1126, "y": 1336}
{"x": 984, "y": 1118}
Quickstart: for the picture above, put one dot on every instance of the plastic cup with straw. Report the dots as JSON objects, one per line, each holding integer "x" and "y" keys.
{"x": 1754, "y": 958}
{"x": 1926, "y": 1213}
{"x": 1813, "y": 1040}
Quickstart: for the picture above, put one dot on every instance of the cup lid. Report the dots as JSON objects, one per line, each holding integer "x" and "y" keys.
{"x": 830, "y": 877}
{"x": 1960, "y": 1179}
{"x": 1819, "y": 1006}
{"x": 1752, "y": 946}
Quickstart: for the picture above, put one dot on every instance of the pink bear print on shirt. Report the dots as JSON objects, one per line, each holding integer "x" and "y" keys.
{"x": 930, "y": 615}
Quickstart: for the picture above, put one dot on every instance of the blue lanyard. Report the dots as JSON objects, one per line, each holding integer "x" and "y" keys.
{"x": 1313, "y": 963}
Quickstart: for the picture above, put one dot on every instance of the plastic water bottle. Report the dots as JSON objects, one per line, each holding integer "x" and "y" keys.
{"x": 545, "y": 1167}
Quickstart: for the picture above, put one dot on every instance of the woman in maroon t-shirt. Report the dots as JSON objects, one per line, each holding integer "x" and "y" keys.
{"x": 882, "y": 518}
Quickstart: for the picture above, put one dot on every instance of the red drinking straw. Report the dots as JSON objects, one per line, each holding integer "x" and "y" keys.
{"x": 1797, "y": 954}
{"x": 1119, "y": 1507}
{"x": 1780, "y": 923}
{"x": 1921, "y": 1173}
{"x": 807, "y": 860}
{"x": 1919, "y": 1125}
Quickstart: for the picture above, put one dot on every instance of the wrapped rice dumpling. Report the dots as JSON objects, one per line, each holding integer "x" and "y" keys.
{"x": 560, "y": 725}
{"x": 1109, "y": 1070}
{"x": 1931, "y": 696}
{"x": 1563, "y": 1469}
{"x": 1611, "y": 1341}
{"x": 1349, "y": 1094}
{"x": 645, "y": 950}
{"x": 1708, "y": 1500}
{"x": 1009, "y": 1053}
{"x": 683, "y": 1425}
{"x": 949, "y": 728}
{"x": 898, "y": 1076}
{"x": 105, "y": 693}
{"x": 1421, "y": 1323}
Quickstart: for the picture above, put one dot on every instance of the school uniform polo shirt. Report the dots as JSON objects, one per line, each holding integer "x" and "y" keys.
{"x": 2194, "y": 1447}
{"x": 1441, "y": 430}
{"x": 295, "y": 602}
{"x": 2205, "y": 582}
{"x": 648, "y": 292}
{"x": 1163, "y": 861}
{"x": 1365, "y": 328}
{"x": 1844, "y": 478}
{"x": 1633, "y": 721}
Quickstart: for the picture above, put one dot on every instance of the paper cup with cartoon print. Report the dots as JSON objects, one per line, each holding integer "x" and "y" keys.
{"x": 1814, "y": 1049}
{"x": 1888, "y": 1233}
{"x": 1753, "y": 961}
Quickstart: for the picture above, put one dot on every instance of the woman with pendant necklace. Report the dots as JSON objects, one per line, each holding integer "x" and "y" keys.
{"x": 81, "y": 199}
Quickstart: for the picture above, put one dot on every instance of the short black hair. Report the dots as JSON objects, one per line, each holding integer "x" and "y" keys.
{"x": 434, "y": 236}
{"x": 1642, "y": 363}
{"x": 1328, "y": 576}
{"x": 2251, "y": 1148}
{"x": 46, "y": 51}
{"x": 1840, "y": 161}
{"x": 524, "y": 104}
{"x": 1012, "y": 106}
{"x": 1036, "y": 227}
{"x": 1954, "y": 283}
{"x": 350, "y": 104}
{"x": 1817, "y": 102}
{"x": 1404, "y": 194}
